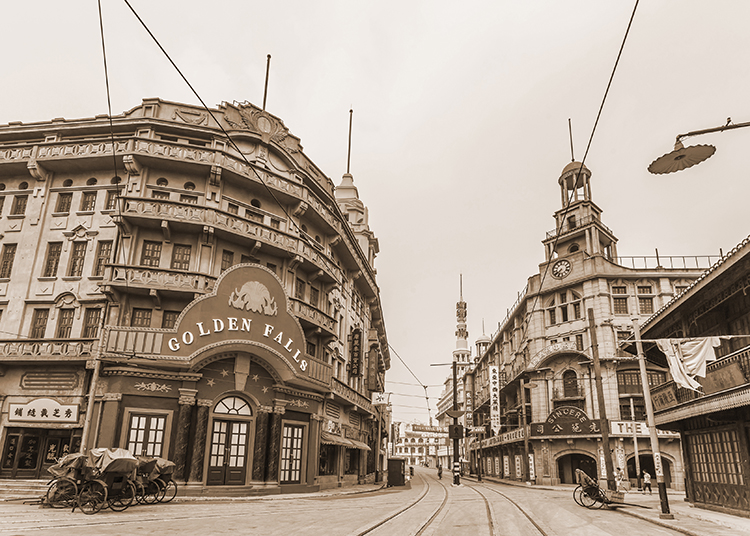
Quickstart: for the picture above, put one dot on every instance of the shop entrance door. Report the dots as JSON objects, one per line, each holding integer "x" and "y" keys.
{"x": 28, "y": 452}
{"x": 228, "y": 458}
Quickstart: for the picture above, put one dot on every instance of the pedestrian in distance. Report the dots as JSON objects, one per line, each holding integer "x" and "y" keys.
{"x": 440, "y": 471}
{"x": 619, "y": 477}
{"x": 646, "y": 483}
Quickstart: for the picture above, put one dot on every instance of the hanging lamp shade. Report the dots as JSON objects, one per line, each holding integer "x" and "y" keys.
{"x": 681, "y": 158}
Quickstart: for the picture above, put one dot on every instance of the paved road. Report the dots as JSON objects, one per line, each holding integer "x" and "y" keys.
{"x": 434, "y": 507}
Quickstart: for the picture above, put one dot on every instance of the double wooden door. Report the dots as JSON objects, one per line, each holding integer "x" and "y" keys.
{"x": 228, "y": 457}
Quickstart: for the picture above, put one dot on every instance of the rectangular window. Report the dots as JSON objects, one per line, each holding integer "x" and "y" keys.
{"x": 146, "y": 434}
{"x": 579, "y": 343}
{"x": 65, "y": 323}
{"x": 291, "y": 454}
{"x": 151, "y": 253}
{"x": 2, "y": 202}
{"x": 563, "y": 297}
{"x": 110, "y": 203}
{"x": 91, "y": 323}
{"x": 276, "y": 224}
{"x": 314, "y": 296}
{"x": 620, "y": 306}
{"x": 141, "y": 318}
{"x": 103, "y": 253}
{"x": 311, "y": 348}
{"x": 169, "y": 319}
{"x": 328, "y": 460}
{"x": 88, "y": 201}
{"x": 54, "y": 249}
{"x": 180, "y": 257}
{"x": 77, "y": 257}
{"x": 552, "y": 317}
{"x": 158, "y": 194}
{"x": 192, "y": 199}
{"x": 619, "y": 290}
{"x": 6, "y": 264}
{"x": 351, "y": 460}
{"x": 577, "y": 310}
{"x": 39, "y": 323}
{"x": 233, "y": 209}
{"x": 299, "y": 289}
{"x": 63, "y": 202}
{"x": 644, "y": 290}
{"x": 564, "y": 313}
{"x": 19, "y": 205}
{"x": 227, "y": 259}
{"x": 646, "y": 305}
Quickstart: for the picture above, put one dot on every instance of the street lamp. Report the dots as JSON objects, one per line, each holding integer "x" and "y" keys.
{"x": 684, "y": 157}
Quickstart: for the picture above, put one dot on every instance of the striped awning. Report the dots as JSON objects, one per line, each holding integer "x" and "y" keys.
{"x": 359, "y": 445}
{"x": 328, "y": 438}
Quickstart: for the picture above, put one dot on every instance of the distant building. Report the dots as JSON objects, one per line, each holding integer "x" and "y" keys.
{"x": 713, "y": 422}
{"x": 213, "y": 285}
{"x": 546, "y": 421}
{"x": 419, "y": 444}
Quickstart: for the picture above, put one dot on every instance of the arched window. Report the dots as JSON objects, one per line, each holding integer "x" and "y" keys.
{"x": 91, "y": 182}
{"x": 161, "y": 181}
{"x": 233, "y": 405}
{"x": 570, "y": 384}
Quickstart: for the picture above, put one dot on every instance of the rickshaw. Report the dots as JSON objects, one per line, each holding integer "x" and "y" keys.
{"x": 154, "y": 480}
{"x": 69, "y": 475}
{"x": 590, "y": 495}
{"x": 112, "y": 472}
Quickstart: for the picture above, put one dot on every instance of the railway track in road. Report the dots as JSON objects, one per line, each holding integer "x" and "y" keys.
{"x": 430, "y": 522}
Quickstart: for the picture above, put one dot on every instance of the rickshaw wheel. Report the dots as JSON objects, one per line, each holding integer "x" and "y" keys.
{"x": 577, "y": 495}
{"x": 168, "y": 490}
{"x": 151, "y": 492}
{"x": 140, "y": 492}
{"x": 92, "y": 497}
{"x": 62, "y": 493}
{"x": 125, "y": 498}
{"x": 588, "y": 499}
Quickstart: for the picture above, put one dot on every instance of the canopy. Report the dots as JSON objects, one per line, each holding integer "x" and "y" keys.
{"x": 359, "y": 445}
{"x": 112, "y": 460}
{"x": 331, "y": 439}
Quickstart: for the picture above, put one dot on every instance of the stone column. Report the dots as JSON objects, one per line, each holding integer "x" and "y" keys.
{"x": 186, "y": 402}
{"x": 313, "y": 448}
{"x": 110, "y": 409}
{"x": 199, "y": 447}
{"x": 274, "y": 442}
{"x": 260, "y": 446}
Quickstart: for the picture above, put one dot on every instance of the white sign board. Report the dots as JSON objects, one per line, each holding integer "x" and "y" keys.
{"x": 495, "y": 398}
{"x": 43, "y": 410}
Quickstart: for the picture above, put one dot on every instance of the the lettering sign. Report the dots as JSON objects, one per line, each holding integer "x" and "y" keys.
{"x": 469, "y": 407}
{"x": 558, "y": 347}
{"x": 244, "y": 307}
{"x": 495, "y": 398}
{"x": 638, "y": 428}
{"x": 566, "y": 421}
{"x": 519, "y": 471}
{"x": 726, "y": 377}
{"x": 532, "y": 471}
{"x": 425, "y": 428}
{"x": 355, "y": 362}
{"x": 43, "y": 410}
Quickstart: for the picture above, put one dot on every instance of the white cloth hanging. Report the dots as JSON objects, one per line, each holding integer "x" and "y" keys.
{"x": 687, "y": 358}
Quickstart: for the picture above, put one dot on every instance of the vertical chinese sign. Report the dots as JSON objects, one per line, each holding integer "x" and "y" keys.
{"x": 355, "y": 363}
{"x": 495, "y": 398}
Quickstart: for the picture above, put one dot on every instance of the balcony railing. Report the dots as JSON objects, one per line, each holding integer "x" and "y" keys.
{"x": 696, "y": 262}
{"x": 157, "y": 278}
{"x": 313, "y": 315}
{"x": 567, "y": 228}
{"x": 163, "y": 210}
{"x": 49, "y": 348}
{"x": 568, "y": 390}
{"x": 728, "y": 372}
{"x": 349, "y": 394}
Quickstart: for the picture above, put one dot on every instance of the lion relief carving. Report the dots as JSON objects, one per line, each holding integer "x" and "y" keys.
{"x": 254, "y": 296}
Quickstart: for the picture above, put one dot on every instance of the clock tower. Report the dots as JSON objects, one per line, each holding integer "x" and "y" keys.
{"x": 578, "y": 225}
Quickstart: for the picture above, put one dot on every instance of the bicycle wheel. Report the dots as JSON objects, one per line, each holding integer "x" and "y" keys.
{"x": 62, "y": 493}
{"x": 151, "y": 492}
{"x": 122, "y": 500}
{"x": 92, "y": 497}
{"x": 577, "y": 495}
{"x": 169, "y": 490}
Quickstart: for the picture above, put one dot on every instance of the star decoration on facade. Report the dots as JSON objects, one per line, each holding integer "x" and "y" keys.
{"x": 265, "y": 389}
{"x": 224, "y": 373}
{"x": 211, "y": 382}
{"x": 255, "y": 377}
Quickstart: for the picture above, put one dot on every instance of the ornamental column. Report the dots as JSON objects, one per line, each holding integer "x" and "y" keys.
{"x": 186, "y": 402}
{"x": 199, "y": 447}
{"x": 260, "y": 446}
{"x": 313, "y": 449}
{"x": 274, "y": 441}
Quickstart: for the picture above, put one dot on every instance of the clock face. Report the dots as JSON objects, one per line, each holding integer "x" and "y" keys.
{"x": 561, "y": 269}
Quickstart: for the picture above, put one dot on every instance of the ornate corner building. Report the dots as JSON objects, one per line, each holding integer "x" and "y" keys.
{"x": 534, "y": 382}
{"x": 191, "y": 290}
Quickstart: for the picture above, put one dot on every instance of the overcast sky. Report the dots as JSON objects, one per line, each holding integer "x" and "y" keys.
{"x": 460, "y": 124}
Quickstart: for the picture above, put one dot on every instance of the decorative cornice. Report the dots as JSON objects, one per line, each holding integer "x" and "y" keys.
{"x": 205, "y": 402}
{"x": 112, "y": 397}
{"x": 187, "y": 397}
{"x": 282, "y": 389}
{"x": 140, "y": 373}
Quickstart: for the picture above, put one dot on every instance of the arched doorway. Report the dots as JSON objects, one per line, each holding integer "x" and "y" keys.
{"x": 231, "y": 430}
{"x": 647, "y": 464}
{"x": 567, "y": 465}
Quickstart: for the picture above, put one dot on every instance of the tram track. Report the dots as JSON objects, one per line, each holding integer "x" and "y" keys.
{"x": 514, "y": 503}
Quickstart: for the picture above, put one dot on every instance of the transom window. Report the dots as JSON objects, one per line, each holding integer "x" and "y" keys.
{"x": 233, "y": 405}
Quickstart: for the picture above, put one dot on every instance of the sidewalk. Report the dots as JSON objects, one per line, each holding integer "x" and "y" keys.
{"x": 349, "y": 490}
{"x": 687, "y": 518}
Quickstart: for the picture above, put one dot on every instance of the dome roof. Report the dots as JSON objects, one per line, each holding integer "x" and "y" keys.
{"x": 574, "y": 166}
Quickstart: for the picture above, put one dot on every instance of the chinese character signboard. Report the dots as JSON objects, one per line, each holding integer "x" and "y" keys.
{"x": 666, "y": 397}
{"x": 43, "y": 410}
{"x": 495, "y": 398}
{"x": 566, "y": 421}
{"x": 469, "y": 407}
{"x": 355, "y": 364}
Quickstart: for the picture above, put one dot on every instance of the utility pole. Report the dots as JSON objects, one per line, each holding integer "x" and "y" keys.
{"x": 665, "y": 513}
{"x": 525, "y": 435}
{"x": 456, "y": 463}
{"x": 603, "y": 421}
{"x": 635, "y": 446}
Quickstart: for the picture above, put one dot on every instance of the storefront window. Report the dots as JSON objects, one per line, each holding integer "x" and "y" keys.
{"x": 146, "y": 434}
{"x": 351, "y": 462}
{"x": 328, "y": 458}
{"x": 291, "y": 454}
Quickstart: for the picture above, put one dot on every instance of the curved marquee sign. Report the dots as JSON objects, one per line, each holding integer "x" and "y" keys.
{"x": 248, "y": 305}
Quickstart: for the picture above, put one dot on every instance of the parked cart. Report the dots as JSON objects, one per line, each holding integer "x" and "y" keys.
{"x": 113, "y": 472}
{"x": 589, "y": 494}
{"x": 69, "y": 473}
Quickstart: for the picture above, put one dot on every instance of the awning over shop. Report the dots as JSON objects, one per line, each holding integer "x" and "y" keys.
{"x": 359, "y": 445}
{"x": 331, "y": 439}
